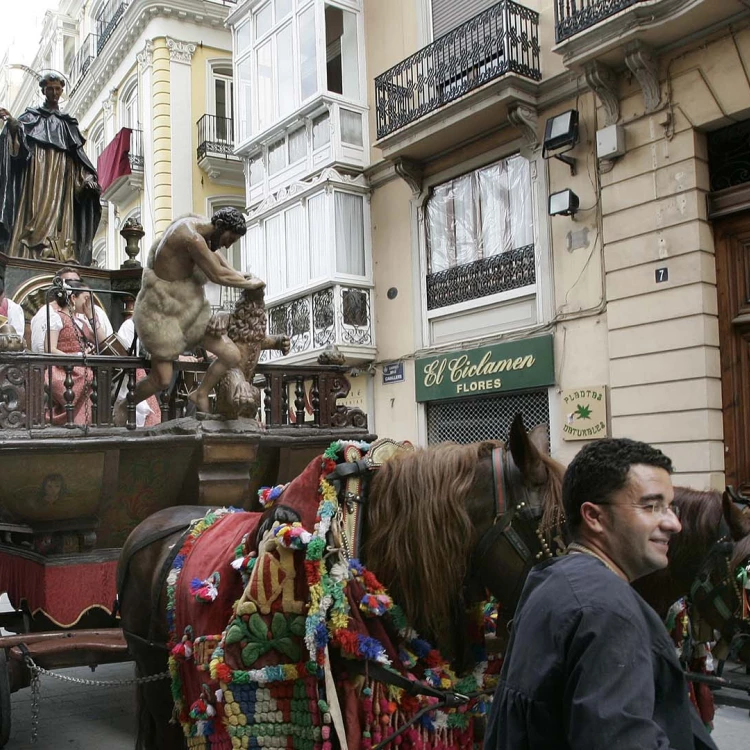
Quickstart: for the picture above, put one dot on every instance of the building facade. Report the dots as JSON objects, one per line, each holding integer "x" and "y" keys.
{"x": 622, "y": 314}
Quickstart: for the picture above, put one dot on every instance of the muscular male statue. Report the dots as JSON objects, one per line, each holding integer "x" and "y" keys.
{"x": 171, "y": 311}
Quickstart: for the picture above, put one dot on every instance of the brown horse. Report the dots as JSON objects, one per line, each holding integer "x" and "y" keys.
{"x": 426, "y": 513}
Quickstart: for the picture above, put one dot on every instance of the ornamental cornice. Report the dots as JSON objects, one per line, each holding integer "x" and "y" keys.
{"x": 180, "y": 51}
{"x": 329, "y": 178}
{"x": 138, "y": 15}
{"x": 145, "y": 57}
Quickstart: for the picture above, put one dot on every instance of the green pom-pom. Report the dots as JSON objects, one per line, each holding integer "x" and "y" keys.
{"x": 316, "y": 548}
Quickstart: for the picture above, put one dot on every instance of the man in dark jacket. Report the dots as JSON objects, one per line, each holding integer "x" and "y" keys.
{"x": 590, "y": 664}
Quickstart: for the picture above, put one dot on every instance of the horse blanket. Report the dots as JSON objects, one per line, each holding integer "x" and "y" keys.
{"x": 270, "y": 647}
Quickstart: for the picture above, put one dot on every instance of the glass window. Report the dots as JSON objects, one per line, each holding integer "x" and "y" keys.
{"x": 342, "y": 55}
{"x": 263, "y": 20}
{"x": 350, "y": 234}
{"x": 276, "y": 157}
{"x": 256, "y": 170}
{"x": 297, "y": 254}
{"x": 321, "y": 131}
{"x": 244, "y": 37}
{"x": 307, "y": 53}
{"x": 275, "y": 260}
{"x": 244, "y": 74}
{"x": 285, "y": 99}
{"x": 317, "y": 219}
{"x": 283, "y": 9}
{"x": 265, "y": 85}
{"x": 351, "y": 127}
{"x": 297, "y": 145}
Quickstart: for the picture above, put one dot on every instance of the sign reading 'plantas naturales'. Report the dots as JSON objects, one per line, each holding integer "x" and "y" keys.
{"x": 516, "y": 365}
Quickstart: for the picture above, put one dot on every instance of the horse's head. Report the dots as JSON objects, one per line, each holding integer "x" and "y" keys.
{"x": 717, "y": 591}
{"x": 428, "y": 511}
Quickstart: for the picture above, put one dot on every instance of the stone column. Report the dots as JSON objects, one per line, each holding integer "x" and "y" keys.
{"x": 145, "y": 60}
{"x": 162, "y": 137}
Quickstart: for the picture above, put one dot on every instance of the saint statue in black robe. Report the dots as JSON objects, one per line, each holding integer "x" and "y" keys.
{"x": 49, "y": 194}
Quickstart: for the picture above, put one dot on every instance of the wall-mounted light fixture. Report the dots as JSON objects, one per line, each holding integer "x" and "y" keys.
{"x": 564, "y": 203}
{"x": 560, "y": 136}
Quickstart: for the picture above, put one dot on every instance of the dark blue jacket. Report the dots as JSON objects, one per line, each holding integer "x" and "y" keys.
{"x": 590, "y": 666}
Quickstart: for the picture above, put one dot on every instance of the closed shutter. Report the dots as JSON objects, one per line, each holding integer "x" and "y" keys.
{"x": 447, "y": 14}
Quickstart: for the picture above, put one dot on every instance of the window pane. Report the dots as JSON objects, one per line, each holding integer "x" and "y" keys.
{"x": 465, "y": 217}
{"x": 297, "y": 252}
{"x": 256, "y": 170}
{"x": 244, "y": 72}
{"x": 265, "y": 86}
{"x": 350, "y": 234}
{"x": 283, "y": 9}
{"x": 441, "y": 248}
{"x": 521, "y": 216}
{"x": 308, "y": 65}
{"x": 351, "y": 127}
{"x": 244, "y": 37}
{"x": 317, "y": 221}
{"x": 297, "y": 145}
{"x": 495, "y": 218}
{"x": 275, "y": 260}
{"x": 321, "y": 131}
{"x": 263, "y": 20}
{"x": 276, "y": 157}
{"x": 256, "y": 258}
{"x": 285, "y": 99}
{"x": 350, "y": 57}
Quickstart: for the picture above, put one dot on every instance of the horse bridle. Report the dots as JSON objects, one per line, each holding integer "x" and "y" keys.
{"x": 734, "y": 624}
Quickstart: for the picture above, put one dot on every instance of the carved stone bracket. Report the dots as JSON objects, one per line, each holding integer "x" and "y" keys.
{"x": 180, "y": 51}
{"x": 644, "y": 65}
{"x": 146, "y": 56}
{"x": 603, "y": 82}
{"x": 527, "y": 121}
{"x": 411, "y": 173}
{"x": 108, "y": 105}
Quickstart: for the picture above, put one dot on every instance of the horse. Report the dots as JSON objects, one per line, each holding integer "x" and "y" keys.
{"x": 428, "y": 518}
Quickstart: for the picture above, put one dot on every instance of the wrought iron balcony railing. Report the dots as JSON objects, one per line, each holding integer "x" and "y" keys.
{"x": 82, "y": 61}
{"x": 498, "y": 273}
{"x": 335, "y": 315}
{"x": 215, "y": 136}
{"x": 574, "y": 16}
{"x": 502, "y": 39}
{"x": 107, "y": 19}
{"x": 135, "y": 155}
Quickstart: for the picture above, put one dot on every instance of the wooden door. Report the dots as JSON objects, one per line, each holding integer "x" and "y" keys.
{"x": 732, "y": 241}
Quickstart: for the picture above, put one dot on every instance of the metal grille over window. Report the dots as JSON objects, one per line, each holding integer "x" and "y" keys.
{"x": 488, "y": 418}
{"x": 480, "y": 234}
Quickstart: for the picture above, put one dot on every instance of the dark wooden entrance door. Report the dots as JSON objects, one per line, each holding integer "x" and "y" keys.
{"x": 732, "y": 241}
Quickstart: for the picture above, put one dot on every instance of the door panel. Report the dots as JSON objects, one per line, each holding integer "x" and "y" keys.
{"x": 732, "y": 240}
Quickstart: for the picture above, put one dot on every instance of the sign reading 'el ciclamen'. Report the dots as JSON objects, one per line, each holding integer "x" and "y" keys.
{"x": 504, "y": 367}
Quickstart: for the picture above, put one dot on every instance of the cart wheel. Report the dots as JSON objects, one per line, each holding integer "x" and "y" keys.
{"x": 4, "y": 700}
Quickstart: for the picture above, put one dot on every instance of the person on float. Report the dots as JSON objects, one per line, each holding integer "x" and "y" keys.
{"x": 39, "y": 319}
{"x": 589, "y": 663}
{"x": 11, "y": 311}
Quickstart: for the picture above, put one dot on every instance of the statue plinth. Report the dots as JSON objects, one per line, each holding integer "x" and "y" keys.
{"x": 133, "y": 233}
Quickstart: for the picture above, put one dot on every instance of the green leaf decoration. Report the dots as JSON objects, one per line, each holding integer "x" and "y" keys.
{"x": 279, "y": 625}
{"x": 236, "y": 633}
{"x": 297, "y": 626}
{"x": 288, "y": 647}
{"x": 258, "y": 628}
{"x": 252, "y": 652}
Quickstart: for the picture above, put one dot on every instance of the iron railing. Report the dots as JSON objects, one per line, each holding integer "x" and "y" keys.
{"x": 498, "y": 273}
{"x": 292, "y": 395}
{"x": 107, "y": 19}
{"x": 502, "y": 39}
{"x": 82, "y": 61}
{"x": 135, "y": 155}
{"x": 574, "y": 16}
{"x": 215, "y": 136}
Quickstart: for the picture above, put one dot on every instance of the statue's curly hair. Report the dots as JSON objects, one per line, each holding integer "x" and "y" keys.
{"x": 47, "y": 77}
{"x": 230, "y": 220}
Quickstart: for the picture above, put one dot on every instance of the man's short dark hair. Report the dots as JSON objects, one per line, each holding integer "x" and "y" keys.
{"x": 48, "y": 77}
{"x": 230, "y": 220}
{"x": 601, "y": 468}
{"x": 67, "y": 269}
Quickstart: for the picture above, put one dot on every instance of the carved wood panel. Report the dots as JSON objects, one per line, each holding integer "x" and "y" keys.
{"x": 732, "y": 240}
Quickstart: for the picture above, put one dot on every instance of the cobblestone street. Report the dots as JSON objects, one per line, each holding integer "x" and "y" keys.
{"x": 89, "y": 718}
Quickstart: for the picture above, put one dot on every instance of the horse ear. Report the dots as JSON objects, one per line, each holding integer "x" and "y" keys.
{"x": 526, "y": 455}
{"x": 738, "y": 522}
{"x": 539, "y": 436}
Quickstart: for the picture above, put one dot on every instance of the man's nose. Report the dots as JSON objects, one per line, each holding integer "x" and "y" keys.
{"x": 670, "y": 522}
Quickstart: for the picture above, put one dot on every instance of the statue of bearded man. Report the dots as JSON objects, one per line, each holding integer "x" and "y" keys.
{"x": 49, "y": 194}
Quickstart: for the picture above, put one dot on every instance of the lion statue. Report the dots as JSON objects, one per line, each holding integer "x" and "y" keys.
{"x": 236, "y": 396}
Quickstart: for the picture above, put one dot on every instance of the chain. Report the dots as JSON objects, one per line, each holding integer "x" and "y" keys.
{"x": 36, "y": 671}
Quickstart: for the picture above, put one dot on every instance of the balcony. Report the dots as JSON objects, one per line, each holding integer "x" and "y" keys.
{"x": 216, "y": 151}
{"x": 340, "y": 315}
{"x": 120, "y": 166}
{"x": 107, "y": 19}
{"x": 82, "y": 61}
{"x": 588, "y": 30}
{"x": 449, "y": 91}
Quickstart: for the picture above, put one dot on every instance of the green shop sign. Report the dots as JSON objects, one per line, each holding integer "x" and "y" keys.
{"x": 504, "y": 367}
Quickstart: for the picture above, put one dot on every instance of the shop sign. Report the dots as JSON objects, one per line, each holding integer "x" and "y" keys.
{"x": 393, "y": 372}
{"x": 584, "y": 413}
{"x": 491, "y": 369}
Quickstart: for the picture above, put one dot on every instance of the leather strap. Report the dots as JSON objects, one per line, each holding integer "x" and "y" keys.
{"x": 499, "y": 482}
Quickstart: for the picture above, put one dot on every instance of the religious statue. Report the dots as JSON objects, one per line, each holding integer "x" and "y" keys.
{"x": 172, "y": 314}
{"x": 49, "y": 194}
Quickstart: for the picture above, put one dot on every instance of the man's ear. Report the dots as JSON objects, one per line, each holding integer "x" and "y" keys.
{"x": 591, "y": 516}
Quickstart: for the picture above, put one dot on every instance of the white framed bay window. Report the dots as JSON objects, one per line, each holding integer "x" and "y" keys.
{"x": 312, "y": 239}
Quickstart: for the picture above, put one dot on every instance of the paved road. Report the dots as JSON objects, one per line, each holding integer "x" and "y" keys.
{"x": 86, "y": 718}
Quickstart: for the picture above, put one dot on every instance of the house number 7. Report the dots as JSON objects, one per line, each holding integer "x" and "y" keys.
{"x": 662, "y": 274}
